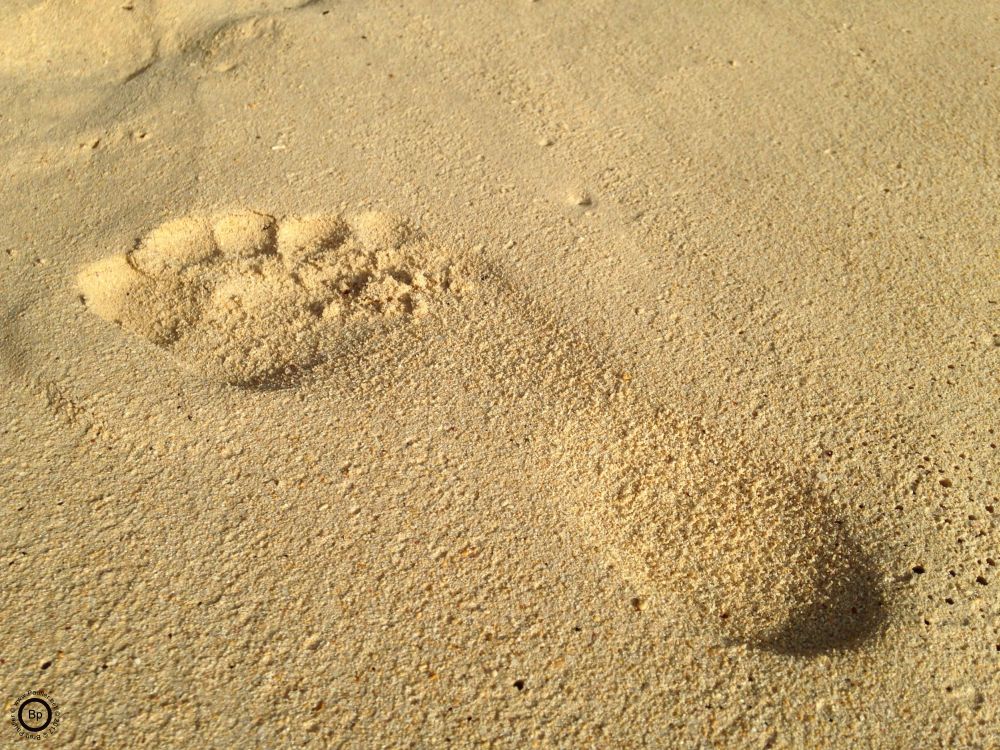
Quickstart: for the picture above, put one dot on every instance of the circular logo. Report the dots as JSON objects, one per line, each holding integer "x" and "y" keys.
{"x": 34, "y": 715}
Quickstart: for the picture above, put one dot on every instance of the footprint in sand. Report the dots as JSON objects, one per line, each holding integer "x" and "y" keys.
{"x": 255, "y": 302}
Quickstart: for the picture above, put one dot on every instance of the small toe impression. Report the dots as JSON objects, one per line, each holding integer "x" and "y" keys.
{"x": 244, "y": 233}
{"x": 302, "y": 238}
{"x": 378, "y": 230}
{"x": 779, "y": 572}
{"x": 175, "y": 245}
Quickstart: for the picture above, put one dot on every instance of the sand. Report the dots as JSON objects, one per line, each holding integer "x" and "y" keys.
{"x": 535, "y": 374}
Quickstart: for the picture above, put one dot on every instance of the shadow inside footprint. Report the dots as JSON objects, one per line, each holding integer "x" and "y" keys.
{"x": 778, "y": 571}
{"x": 850, "y": 613}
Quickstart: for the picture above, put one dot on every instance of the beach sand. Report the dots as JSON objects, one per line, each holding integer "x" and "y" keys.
{"x": 523, "y": 374}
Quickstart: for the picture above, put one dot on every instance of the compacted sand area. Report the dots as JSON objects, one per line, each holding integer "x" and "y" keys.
{"x": 500, "y": 374}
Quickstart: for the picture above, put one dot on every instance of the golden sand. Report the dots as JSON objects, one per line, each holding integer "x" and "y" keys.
{"x": 529, "y": 374}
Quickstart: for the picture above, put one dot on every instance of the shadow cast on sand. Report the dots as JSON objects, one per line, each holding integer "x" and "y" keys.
{"x": 852, "y": 614}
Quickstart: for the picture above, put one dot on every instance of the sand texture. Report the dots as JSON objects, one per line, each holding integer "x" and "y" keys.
{"x": 522, "y": 374}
